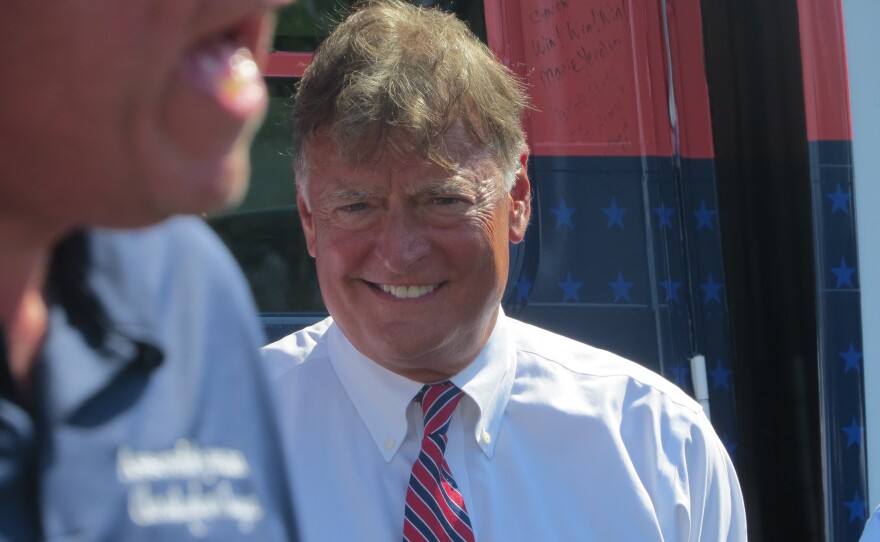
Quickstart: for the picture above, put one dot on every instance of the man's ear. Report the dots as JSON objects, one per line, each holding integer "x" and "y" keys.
{"x": 308, "y": 224}
{"x": 521, "y": 203}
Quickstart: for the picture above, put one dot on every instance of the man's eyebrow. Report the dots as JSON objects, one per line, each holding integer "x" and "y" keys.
{"x": 455, "y": 184}
{"x": 349, "y": 194}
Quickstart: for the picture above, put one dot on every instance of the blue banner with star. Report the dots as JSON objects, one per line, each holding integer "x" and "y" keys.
{"x": 840, "y": 338}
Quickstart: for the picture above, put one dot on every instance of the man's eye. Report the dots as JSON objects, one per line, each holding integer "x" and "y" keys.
{"x": 354, "y": 207}
{"x": 445, "y": 201}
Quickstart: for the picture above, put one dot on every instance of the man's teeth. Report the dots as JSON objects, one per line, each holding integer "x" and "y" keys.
{"x": 408, "y": 292}
{"x": 241, "y": 76}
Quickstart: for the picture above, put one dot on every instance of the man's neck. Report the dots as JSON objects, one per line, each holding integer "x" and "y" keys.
{"x": 24, "y": 260}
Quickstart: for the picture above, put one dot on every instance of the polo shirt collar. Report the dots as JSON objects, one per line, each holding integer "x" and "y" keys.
{"x": 381, "y": 397}
{"x": 81, "y": 361}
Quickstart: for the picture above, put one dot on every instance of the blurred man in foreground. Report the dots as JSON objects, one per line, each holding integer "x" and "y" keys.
{"x": 132, "y": 403}
{"x": 418, "y": 409}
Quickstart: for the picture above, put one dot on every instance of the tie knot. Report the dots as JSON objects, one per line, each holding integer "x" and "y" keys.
{"x": 438, "y": 403}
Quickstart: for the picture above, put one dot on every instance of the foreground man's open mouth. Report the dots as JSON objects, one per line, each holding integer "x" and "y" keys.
{"x": 223, "y": 66}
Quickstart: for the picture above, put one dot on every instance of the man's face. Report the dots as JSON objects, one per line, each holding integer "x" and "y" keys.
{"x": 122, "y": 112}
{"x": 412, "y": 258}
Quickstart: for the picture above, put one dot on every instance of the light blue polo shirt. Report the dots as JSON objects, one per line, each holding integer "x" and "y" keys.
{"x": 156, "y": 421}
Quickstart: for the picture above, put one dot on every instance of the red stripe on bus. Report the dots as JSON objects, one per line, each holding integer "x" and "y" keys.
{"x": 823, "y": 59}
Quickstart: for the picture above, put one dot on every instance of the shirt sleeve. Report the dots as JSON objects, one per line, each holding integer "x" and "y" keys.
{"x": 872, "y": 528}
{"x": 717, "y": 510}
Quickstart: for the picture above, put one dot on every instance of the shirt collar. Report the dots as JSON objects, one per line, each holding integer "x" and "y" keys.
{"x": 382, "y": 397}
{"x": 94, "y": 321}
{"x": 488, "y": 381}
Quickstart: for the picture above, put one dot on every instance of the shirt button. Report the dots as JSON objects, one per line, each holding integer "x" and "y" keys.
{"x": 485, "y": 437}
{"x": 389, "y": 444}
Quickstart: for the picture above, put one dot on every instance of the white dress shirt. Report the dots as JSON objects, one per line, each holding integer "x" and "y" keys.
{"x": 872, "y": 528}
{"x": 553, "y": 441}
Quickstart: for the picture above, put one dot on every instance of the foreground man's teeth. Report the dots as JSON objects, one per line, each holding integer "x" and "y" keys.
{"x": 230, "y": 74}
{"x": 408, "y": 292}
{"x": 239, "y": 80}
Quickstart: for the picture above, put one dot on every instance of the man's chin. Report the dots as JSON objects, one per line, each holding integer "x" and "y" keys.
{"x": 209, "y": 190}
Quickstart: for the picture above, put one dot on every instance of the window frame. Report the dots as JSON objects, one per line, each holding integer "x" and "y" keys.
{"x": 294, "y": 64}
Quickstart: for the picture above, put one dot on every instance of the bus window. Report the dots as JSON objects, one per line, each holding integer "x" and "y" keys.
{"x": 305, "y": 23}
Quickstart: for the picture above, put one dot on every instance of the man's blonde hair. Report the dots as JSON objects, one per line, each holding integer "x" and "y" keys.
{"x": 393, "y": 78}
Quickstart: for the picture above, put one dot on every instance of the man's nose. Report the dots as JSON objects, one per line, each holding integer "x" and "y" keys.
{"x": 401, "y": 241}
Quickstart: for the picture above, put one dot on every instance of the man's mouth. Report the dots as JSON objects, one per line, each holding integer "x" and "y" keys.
{"x": 225, "y": 66}
{"x": 408, "y": 292}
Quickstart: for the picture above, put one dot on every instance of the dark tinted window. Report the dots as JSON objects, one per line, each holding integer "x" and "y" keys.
{"x": 303, "y": 24}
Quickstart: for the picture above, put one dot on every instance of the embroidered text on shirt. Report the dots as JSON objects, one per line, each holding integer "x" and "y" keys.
{"x": 187, "y": 485}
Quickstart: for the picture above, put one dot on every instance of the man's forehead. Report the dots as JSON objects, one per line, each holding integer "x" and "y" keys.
{"x": 327, "y": 162}
{"x": 375, "y": 181}
{"x": 397, "y": 148}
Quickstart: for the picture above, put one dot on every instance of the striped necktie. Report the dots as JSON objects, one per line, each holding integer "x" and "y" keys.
{"x": 435, "y": 510}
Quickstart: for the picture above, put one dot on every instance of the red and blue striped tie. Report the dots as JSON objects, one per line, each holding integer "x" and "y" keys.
{"x": 435, "y": 510}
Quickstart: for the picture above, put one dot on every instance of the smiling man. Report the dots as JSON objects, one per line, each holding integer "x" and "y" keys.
{"x": 412, "y": 255}
{"x": 133, "y": 405}
{"x": 418, "y": 410}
